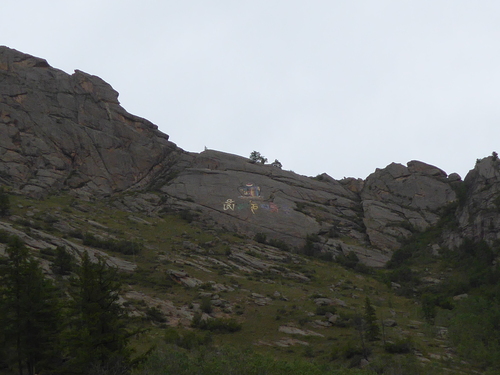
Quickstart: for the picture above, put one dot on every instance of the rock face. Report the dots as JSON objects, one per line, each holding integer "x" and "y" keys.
{"x": 478, "y": 214}
{"x": 68, "y": 132}
{"x": 398, "y": 200}
{"x": 254, "y": 198}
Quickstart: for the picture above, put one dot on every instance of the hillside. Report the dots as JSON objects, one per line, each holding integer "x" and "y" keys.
{"x": 284, "y": 263}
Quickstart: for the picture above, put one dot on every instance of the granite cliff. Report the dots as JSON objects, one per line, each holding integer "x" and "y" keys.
{"x": 63, "y": 132}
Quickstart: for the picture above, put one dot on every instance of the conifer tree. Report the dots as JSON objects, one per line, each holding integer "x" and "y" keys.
{"x": 256, "y": 157}
{"x": 63, "y": 262}
{"x": 98, "y": 337}
{"x": 4, "y": 202}
{"x": 30, "y": 312}
{"x": 372, "y": 328}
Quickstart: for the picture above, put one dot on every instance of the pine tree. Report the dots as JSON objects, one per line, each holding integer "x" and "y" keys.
{"x": 4, "y": 202}
{"x": 372, "y": 328}
{"x": 30, "y": 312}
{"x": 276, "y": 163}
{"x": 98, "y": 336}
{"x": 63, "y": 262}
{"x": 256, "y": 157}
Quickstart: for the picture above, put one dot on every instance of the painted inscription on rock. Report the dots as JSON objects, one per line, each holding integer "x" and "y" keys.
{"x": 250, "y": 191}
{"x": 251, "y": 194}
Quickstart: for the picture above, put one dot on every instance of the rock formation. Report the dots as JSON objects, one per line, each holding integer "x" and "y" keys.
{"x": 63, "y": 132}
{"x": 478, "y": 212}
{"x": 398, "y": 200}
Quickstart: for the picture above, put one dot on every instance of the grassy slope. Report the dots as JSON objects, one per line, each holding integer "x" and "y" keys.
{"x": 163, "y": 239}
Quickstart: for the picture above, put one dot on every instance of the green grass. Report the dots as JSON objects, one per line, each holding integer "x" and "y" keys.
{"x": 162, "y": 249}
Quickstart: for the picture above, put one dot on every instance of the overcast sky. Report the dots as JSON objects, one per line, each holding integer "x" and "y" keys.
{"x": 341, "y": 87}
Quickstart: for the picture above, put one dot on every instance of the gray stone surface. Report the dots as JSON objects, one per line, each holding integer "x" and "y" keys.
{"x": 399, "y": 200}
{"x": 64, "y": 132}
{"x": 478, "y": 213}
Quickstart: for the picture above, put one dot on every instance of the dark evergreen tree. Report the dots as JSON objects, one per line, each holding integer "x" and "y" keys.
{"x": 256, "y": 157}
{"x": 371, "y": 326}
{"x": 276, "y": 163}
{"x": 30, "y": 313}
{"x": 4, "y": 202}
{"x": 98, "y": 336}
{"x": 63, "y": 262}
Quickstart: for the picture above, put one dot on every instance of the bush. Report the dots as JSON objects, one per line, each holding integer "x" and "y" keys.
{"x": 352, "y": 350}
{"x": 279, "y": 244}
{"x": 122, "y": 246}
{"x": 474, "y": 330}
{"x": 187, "y": 215}
{"x": 191, "y": 340}
{"x": 225, "y": 360}
{"x": 206, "y": 305}
{"x": 260, "y": 238}
{"x": 327, "y": 257}
{"x": 221, "y": 325}
{"x": 154, "y": 314}
{"x": 351, "y": 261}
{"x": 310, "y": 247}
{"x": 401, "y": 346}
{"x": 322, "y": 310}
{"x": 4, "y": 236}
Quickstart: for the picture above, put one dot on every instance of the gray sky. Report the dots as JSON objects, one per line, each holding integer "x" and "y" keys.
{"x": 341, "y": 87}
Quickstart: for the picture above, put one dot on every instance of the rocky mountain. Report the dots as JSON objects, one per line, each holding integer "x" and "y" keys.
{"x": 68, "y": 133}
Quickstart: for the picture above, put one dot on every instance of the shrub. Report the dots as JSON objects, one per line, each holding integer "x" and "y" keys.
{"x": 260, "y": 238}
{"x": 206, "y": 305}
{"x": 187, "y": 215}
{"x": 351, "y": 261}
{"x": 4, "y": 236}
{"x": 154, "y": 314}
{"x": 401, "y": 346}
{"x": 221, "y": 325}
{"x": 322, "y": 310}
{"x": 351, "y": 350}
{"x": 327, "y": 257}
{"x": 282, "y": 245}
{"x": 48, "y": 251}
{"x": 276, "y": 163}
{"x": 190, "y": 340}
{"x": 121, "y": 246}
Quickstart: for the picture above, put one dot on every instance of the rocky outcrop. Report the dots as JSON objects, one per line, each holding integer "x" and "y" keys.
{"x": 478, "y": 213}
{"x": 63, "y": 131}
{"x": 254, "y": 198}
{"x": 69, "y": 132}
{"x": 399, "y": 200}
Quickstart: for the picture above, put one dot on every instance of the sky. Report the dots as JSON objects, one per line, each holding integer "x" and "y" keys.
{"x": 336, "y": 87}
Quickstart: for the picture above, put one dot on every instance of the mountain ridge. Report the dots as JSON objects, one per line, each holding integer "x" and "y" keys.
{"x": 69, "y": 133}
